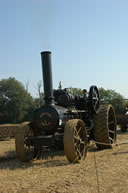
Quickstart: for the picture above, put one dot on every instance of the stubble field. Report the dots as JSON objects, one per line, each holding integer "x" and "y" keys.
{"x": 102, "y": 171}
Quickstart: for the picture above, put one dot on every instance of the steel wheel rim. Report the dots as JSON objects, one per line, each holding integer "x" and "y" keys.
{"x": 111, "y": 126}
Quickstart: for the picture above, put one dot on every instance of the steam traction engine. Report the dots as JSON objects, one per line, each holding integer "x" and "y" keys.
{"x": 65, "y": 121}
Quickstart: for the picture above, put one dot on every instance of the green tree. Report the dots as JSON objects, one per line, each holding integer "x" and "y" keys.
{"x": 76, "y": 91}
{"x": 112, "y": 97}
{"x": 16, "y": 104}
{"x": 39, "y": 101}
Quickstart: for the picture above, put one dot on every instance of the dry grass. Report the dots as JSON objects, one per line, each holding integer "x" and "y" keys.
{"x": 53, "y": 174}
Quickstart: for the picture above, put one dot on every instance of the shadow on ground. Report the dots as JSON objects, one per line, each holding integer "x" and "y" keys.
{"x": 46, "y": 159}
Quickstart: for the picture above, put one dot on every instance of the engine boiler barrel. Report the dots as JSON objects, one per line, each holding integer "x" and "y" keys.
{"x": 47, "y": 77}
{"x": 49, "y": 118}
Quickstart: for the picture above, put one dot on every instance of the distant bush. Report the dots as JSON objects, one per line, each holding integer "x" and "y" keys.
{"x": 114, "y": 98}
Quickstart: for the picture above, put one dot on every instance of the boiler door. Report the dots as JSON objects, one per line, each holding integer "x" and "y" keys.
{"x": 48, "y": 118}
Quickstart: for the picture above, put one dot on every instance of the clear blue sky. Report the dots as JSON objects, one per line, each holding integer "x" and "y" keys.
{"x": 88, "y": 40}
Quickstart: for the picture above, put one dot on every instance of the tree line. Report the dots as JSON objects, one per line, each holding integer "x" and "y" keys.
{"x": 17, "y": 104}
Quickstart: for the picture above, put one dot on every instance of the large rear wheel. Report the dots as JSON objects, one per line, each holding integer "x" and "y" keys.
{"x": 75, "y": 140}
{"x": 25, "y": 152}
{"x": 104, "y": 131}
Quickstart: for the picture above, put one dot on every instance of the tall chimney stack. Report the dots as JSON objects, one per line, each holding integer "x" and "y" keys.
{"x": 47, "y": 77}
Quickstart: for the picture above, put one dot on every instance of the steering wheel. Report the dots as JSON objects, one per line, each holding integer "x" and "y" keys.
{"x": 94, "y": 99}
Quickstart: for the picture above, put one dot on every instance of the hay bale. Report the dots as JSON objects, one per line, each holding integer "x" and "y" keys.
{"x": 8, "y": 130}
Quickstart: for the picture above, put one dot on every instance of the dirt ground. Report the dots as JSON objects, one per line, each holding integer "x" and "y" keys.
{"x": 102, "y": 171}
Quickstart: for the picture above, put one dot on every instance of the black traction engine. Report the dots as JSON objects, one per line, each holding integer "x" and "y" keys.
{"x": 66, "y": 121}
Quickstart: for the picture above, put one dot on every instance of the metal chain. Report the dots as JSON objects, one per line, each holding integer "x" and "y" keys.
{"x": 124, "y": 142}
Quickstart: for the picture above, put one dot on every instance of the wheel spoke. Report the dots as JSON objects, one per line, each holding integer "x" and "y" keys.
{"x": 77, "y": 138}
{"x": 78, "y": 152}
{"x": 80, "y": 149}
{"x": 111, "y": 139}
{"x": 77, "y": 131}
{"x": 110, "y": 131}
{"x": 112, "y": 122}
{"x": 94, "y": 98}
{"x": 82, "y": 142}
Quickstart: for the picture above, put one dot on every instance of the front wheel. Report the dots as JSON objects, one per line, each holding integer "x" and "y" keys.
{"x": 75, "y": 140}
{"x": 104, "y": 131}
{"x": 25, "y": 152}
